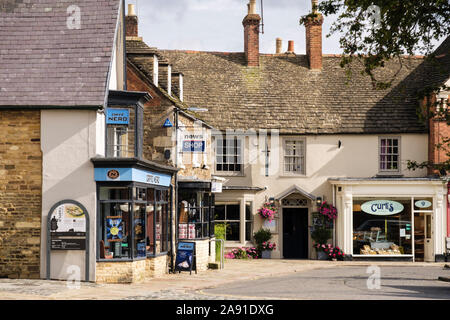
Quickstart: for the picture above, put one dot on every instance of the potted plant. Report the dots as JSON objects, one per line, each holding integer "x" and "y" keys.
{"x": 328, "y": 210}
{"x": 268, "y": 211}
{"x": 266, "y": 249}
{"x": 261, "y": 237}
{"x": 323, "y": 250}
{"x": 321, "y": 235}
{"x": 335, "y": 254}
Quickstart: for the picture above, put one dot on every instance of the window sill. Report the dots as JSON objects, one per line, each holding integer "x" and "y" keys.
{"x": 122, "y": 260}
{"x": 157, "y": 255}
{"x": 395, "y": 174}
{"x": 229, "y": 174}
{"x": 293, "y": 175}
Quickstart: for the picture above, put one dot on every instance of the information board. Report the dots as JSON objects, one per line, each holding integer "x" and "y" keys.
{"x": 186, "y": 257}
{"x": 68, "y": 227}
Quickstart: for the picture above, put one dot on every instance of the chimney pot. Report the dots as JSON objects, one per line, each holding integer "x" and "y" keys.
{"x": 131, "y": 10}
{"x": 279, "y": 45}
{"x": 251, "y": 7}
{"x": 290, "y": 46}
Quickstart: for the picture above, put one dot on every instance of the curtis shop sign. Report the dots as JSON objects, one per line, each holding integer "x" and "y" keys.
{"x": 382, "y": 207}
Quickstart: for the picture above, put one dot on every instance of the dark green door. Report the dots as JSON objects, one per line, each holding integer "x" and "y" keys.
{"x": 295, "y": 233}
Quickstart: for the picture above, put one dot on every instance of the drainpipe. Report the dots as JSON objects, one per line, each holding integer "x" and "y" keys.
{"x": 448, "y": 209}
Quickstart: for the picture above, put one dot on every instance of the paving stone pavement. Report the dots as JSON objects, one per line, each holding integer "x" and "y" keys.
{"x": 179, "y": 286}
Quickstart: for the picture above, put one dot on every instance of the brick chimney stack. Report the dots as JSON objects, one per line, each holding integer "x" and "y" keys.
{"x": 314, "y": 38}
{"x": 131, "y": 22}
{"x": 251, "y": 35}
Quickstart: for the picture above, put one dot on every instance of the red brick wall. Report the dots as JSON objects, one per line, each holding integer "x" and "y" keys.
{"x": 251, "y": 39}
{"x": 20, "y": 193}
{"x": 439, "y": 130}
{"x": 314, "y": 43}
{"x": 131, "y": 25}
{"x": 156, "y": 111}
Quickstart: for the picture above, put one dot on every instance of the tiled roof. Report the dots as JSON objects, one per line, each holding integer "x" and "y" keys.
{"x": 284, "y": 94}
{"x": 439, "y": 69}
{"x": 43, "y": 62}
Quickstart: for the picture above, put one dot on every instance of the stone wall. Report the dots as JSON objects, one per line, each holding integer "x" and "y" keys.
{"x": 131, "y": 271}
{"x": 20, "y": 193}
{"x": 205, "y": 254}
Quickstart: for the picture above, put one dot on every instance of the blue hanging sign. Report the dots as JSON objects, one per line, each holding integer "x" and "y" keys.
{"x": 117, "y": 116}
{"x": 167, "y": 124}
{"x": 382, "y": 207}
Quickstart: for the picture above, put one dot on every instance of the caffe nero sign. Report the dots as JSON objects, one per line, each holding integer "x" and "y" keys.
{"x": 382, "y": 207}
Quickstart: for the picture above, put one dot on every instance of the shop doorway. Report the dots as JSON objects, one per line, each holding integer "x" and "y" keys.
{"x": 295, "y": 233}
{"x": 423, "y": 239}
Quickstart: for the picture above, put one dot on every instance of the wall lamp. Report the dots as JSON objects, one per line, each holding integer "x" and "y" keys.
{"x": 319, "y": 201}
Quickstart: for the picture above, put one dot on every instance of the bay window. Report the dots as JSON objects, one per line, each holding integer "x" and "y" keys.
{"x": 133, "y": 221}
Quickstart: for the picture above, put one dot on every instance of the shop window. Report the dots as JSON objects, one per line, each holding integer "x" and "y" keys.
{"x": 294, "y": 156}
{"x": 382, "y": 227}
{"x": 229, "y": 155}
{"x": 133, "y": 223}
{"x": 389, "y": 155}
{"x": 195, "y": 219}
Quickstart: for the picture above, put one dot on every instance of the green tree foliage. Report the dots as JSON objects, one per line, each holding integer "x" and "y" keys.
{"x": 375, "y": 31}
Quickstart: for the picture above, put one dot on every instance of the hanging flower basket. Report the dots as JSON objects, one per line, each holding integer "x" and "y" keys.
{"x": 268, "y": 211}
{"x": 328, "y": 210}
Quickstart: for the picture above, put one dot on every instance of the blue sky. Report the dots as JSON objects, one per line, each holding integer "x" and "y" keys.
{"x": 216, "y": 25}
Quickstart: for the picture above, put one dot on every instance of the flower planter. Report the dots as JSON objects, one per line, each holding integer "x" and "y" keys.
{"x": 322, "y": 255}
{"x": 266, "y": 254}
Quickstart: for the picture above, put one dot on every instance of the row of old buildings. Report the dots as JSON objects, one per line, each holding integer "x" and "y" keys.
{"x": 114, "y": 151}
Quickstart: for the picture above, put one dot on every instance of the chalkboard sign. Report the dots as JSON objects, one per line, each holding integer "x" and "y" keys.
{"x": 186, "y": 257}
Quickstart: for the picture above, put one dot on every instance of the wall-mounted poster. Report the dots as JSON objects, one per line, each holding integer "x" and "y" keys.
{"x": 68, "y": 227}
{"x": 114, "y": 229}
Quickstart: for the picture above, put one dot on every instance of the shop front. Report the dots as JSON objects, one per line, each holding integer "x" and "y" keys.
{"x": 391, "y": 219}
{"x": 134, "y": 201}
{"x": 195, "y": 219}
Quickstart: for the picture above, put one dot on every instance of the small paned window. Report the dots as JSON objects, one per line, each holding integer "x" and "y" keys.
{"x": 389, "y": 155}
{"x": 294, "y": 156}
{"x": 229, "y": 155}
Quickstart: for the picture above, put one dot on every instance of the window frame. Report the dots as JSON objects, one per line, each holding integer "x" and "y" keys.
{"x": 241, "y": 150}
{"x": 283, "y": 155}
{"x": 132, "y": 202}
{"x": 397, "y": 171}
{"x": 138, "y": 131}
{"x": 207, "y": 207}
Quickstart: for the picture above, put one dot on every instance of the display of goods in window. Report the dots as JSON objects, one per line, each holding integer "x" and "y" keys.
{"x": 268, "y": 211}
